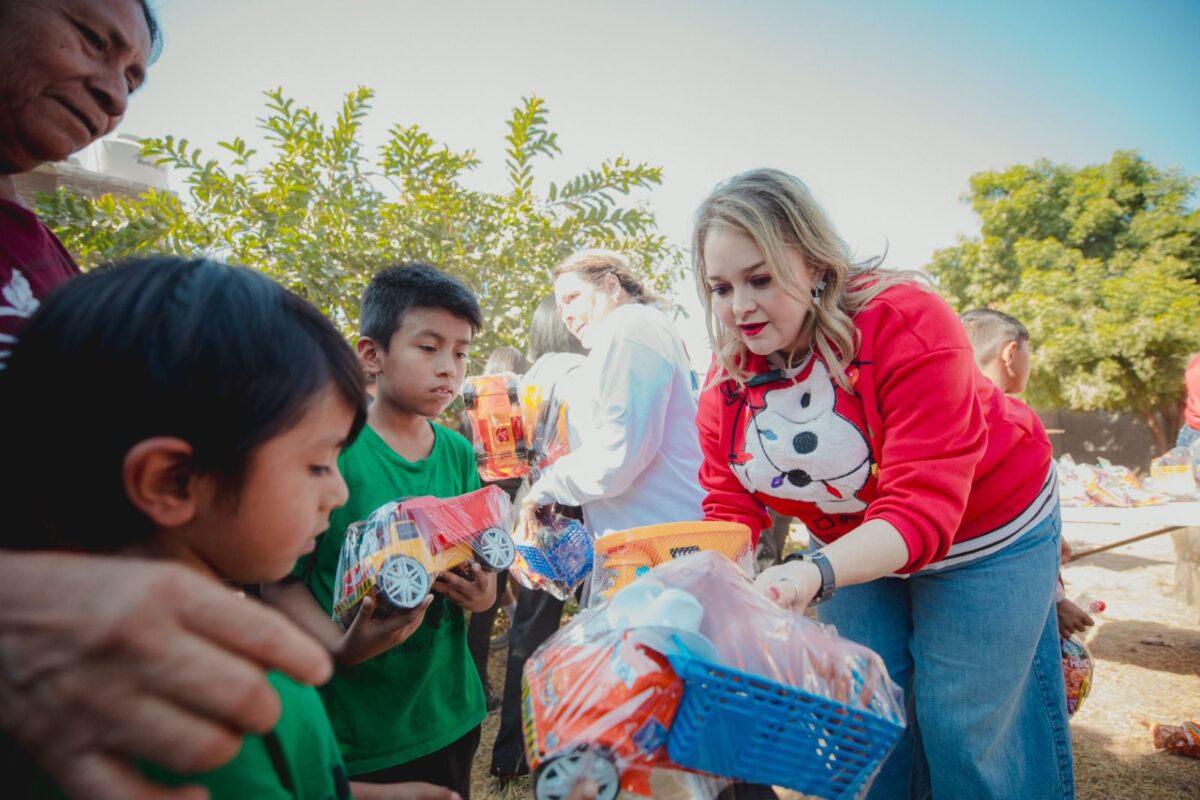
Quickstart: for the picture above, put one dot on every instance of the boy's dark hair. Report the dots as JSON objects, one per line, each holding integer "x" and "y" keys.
{"x": 218, "y": 356}
{"x": 989, "y": 330}
{"x": 395, "y": 291}
{"x": 549, "y": 334}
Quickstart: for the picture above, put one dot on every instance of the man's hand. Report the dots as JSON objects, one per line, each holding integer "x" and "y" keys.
{"x": 371, "y": 633}
{"x": 105, "y": 660}
{"x": 476, "y": 595}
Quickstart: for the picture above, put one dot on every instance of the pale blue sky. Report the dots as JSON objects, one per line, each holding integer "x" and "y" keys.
{"x": 884, "y": 108}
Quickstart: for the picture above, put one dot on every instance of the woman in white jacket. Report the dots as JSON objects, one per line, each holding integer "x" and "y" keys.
{"x": 632, "y": 405}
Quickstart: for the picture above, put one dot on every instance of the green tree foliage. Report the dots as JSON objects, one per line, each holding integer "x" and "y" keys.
{"x": 321, "y": 217}
{"x": 1102, "y": 264}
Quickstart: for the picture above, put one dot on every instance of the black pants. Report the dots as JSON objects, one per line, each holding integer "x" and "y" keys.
{"x": 449, "y": 767}
{"x": 479, "y": 633}
{"x": 479, "y": 627}
{"x": 537, "y": 618}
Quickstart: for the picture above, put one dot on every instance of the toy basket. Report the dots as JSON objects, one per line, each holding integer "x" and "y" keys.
{"x": 623, "y": 556}
{"x": 744, "y": 726}
{"x": 565, "y": 557}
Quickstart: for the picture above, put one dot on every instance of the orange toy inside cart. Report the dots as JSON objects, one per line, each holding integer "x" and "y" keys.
{"x": 623, "y": 556}
{"x": 493, "y": 406}
{"x": 613, "y": 732}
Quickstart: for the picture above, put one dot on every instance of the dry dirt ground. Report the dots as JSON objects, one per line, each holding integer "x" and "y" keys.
{"x": 1147, "y": 651}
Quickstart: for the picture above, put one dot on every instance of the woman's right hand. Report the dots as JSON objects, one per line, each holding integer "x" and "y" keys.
{"x": 371, "y": 634}
{"x": 792, "y": 585}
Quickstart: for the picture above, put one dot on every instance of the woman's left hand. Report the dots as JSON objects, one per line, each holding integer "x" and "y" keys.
{"x": 792, "y": 585}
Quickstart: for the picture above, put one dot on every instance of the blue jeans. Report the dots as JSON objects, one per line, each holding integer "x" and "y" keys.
{"x": 976, "y": 650}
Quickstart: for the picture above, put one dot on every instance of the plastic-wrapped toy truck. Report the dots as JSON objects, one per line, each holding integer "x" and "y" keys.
{"x": 623, "y": 556}
{"x": 397, "y": 549}
{"x": 493, "y": 405}
{"x": 614, "y": 731}
{"x": 732, "y": 687}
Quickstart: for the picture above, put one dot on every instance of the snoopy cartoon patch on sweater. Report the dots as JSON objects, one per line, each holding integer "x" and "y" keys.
{"x": 796, "y": 446}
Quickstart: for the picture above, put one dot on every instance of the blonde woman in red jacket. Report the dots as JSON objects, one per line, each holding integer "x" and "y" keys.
{"x": 847, "y": 396}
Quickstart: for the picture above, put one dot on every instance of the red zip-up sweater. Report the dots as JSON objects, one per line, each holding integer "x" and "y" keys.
{"x": 922, "y": 441}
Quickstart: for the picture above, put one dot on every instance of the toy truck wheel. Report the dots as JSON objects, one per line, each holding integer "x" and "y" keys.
{"x": 470, "y": 396}
{"x": 556, "y": 776}
{"x": 495, "y": 548}
{"x": 403, "y": 582}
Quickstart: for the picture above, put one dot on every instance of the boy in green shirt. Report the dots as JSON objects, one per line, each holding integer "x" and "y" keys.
{"x": 405, "y": 699}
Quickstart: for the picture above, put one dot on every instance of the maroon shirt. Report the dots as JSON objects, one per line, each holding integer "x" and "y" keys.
{"x": 32, "y": 262}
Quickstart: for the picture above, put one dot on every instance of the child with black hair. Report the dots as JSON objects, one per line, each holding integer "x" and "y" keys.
{"x": 1001, "y": 346}
{"x": 408, "y": 712}
{"x": 209, "y": 411}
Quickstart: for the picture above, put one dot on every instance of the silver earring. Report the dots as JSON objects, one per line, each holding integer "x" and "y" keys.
{"x": 818, "y": 289}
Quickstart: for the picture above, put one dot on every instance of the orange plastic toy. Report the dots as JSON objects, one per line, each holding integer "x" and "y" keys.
{"x": 623, "y": 715}
{"x": 498, "y": 427}
{"x": 622, "y": 556}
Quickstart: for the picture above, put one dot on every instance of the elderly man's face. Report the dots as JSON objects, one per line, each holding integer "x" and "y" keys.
{"x": 67, "y": 68}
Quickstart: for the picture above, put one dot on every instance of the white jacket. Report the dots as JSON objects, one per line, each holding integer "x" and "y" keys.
{"x": 631, "y": 405}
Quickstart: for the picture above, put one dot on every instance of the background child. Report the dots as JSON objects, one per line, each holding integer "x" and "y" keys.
{"x": 1001, "y": 346}
{"x": 216, "y": 406}
{"x": 412, "y": 710}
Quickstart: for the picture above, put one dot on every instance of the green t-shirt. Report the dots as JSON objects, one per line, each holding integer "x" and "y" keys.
{"x": 299, "y": 760}
{"x": 426, "y": 693}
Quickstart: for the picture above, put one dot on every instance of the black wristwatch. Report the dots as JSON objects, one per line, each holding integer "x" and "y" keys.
{"x": 828, "y": 581}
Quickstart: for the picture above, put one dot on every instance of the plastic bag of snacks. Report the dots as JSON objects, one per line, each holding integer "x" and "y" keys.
{"x": 1103, "y": 484}
{"x": 734, "y": 687}
{"x": 498, "y": 429}
{"x": 1078, "y": 669}
{"x": 1182, "y": 739}
{"x": 623, "y": 556}
{"x": 555, "y": 557}
{"x": 397, "y": 550}
{"x": 1172, "y": 472}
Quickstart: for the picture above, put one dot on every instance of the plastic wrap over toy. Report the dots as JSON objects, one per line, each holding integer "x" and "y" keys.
{"x": 395, "y": 553}
{"x": 689, "y": 668}
{"x": 623, "y": 556}
{"x": 493, "y": 405}
{"x": 1078, "y": 668}
{"x": 546, "y": 421}
{"x": 554, "y": 557}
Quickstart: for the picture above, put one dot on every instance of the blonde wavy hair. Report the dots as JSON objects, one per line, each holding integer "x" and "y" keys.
{"x": 778, "y": 212}
{"x": 594, "y": 265}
